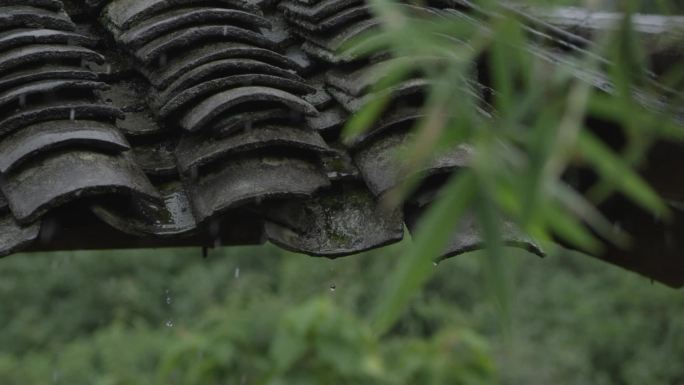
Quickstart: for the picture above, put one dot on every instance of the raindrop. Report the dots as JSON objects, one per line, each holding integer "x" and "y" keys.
{"x": 55, "y": 375}
{"x": 167, "y": 297}
{"x": 169, "y": 323}
{"x": 332, "y": 287}
{"x": 237, "y": 272}
{"x": 108, "y": 69}
{"x": 22, "y": 100}
{"x": 435, "y": 263}
{"x": 225, "y": 31}
{"x": 72, "y": 114}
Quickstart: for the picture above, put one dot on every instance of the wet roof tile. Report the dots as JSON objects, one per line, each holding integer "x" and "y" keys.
{"x": 66, "y": 174}
{"x": 52, "y": 5}
{"x": 338, "y": 221}
{"x": 251, "y": 179}
{"x": 44, "y": 53}
{"x": 211, "y": 107}
{"x": 194, "y": 57}
{"x": 126, "y": 13}
{"x": 381, "y": 165}
{"x": 58, "y": 110}
{"x": 189, "y": 17}
{"x": 23, "y": 76}
{"x": 171, "y": 218}
{"x": 14, "y": 237}
{"x": 317, "y": 11}
{"x": 184, "y": 122}
{"x": 157, "y": 48}
{"x": 41, "y": 137}
{"x": 19, "y": 16}
{"x": 189, "y": 95}
{"x": 468, "y": 237}
{"x": 20, "y": 37}
{"x": 197, "y": 150}
{"x": 220, "y": 69}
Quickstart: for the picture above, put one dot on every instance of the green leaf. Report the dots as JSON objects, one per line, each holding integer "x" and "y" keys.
{"x": 582, "y": 208}
{"x": 569, "y": 229}
{"x": 415, "y": 266}
{"x": 615, "y": 170}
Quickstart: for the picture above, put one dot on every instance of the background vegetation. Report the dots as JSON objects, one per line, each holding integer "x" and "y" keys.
{"x": 255, "y": 315}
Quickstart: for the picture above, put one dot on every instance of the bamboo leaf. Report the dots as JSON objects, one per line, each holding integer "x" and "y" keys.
{"x": 614, "y": 170}
{"x": 415, "y": 267}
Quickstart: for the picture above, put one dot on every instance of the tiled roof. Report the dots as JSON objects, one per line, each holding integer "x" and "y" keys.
{"x": 135, "y": 123}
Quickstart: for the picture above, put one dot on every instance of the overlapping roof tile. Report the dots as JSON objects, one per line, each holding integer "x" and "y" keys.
{"x": 183, "y": 122}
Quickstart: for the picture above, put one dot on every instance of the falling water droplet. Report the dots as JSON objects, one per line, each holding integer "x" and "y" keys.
{"x": 169, "y": 323}
{"x": 22, "y": 100}
{"x": 237, "y": 272}
{"x": 167, "y": 297}
{"x": 225, "y": 31}
{"x": 72, "y": 114}
{"x": 435, "y": 263}
{"x": 333, "y": 287}
{"x": 108, "y": 69}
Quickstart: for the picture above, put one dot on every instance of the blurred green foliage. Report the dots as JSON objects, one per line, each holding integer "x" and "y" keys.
{"x": 258, "y": 315}
{"x": 528, "y": 130}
